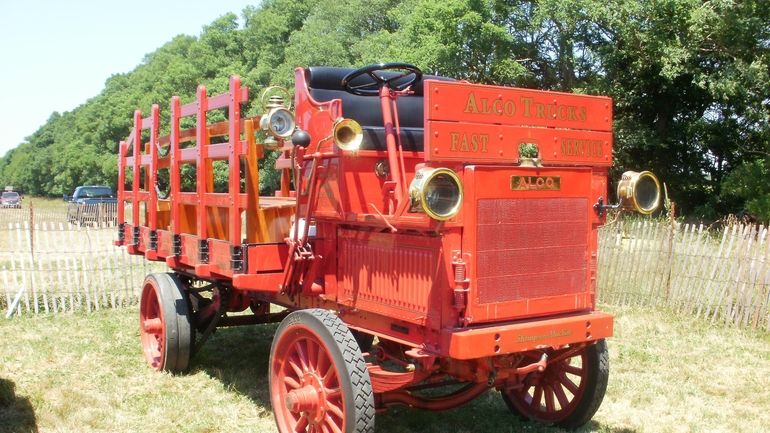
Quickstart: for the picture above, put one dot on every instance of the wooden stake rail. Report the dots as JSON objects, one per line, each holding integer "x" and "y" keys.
{"x": 196, "y": 229}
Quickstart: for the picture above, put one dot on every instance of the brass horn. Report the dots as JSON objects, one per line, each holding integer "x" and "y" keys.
{"x": 639, "y": 191}
{"x": 348, "y": 134}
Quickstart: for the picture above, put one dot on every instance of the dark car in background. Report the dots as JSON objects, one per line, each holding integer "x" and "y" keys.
{"x": 10, "y": 199}
{"x": 91, "y": 203}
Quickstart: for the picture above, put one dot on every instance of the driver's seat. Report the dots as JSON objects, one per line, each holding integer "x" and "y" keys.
{"x": 324, "y": 84}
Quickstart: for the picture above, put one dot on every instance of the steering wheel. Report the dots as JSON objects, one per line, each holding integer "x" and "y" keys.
{"x": 408, "y": 75}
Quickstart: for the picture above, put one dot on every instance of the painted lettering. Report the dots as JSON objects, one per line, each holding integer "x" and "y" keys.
{"x": 473, "y": 143}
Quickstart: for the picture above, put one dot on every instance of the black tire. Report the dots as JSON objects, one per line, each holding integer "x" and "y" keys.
{"x": 597, "y": 376}
{"x": 348, "y": 362}
{"x": 178, "y": 333}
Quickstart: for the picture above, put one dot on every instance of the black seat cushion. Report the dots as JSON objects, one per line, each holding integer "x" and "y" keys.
{"x": 325, "y": 84}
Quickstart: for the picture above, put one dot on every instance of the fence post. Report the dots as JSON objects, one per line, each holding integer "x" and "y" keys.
{"x": 671, "y": 235}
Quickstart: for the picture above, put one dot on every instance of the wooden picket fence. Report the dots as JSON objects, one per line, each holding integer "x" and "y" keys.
{"x": 49, "y": 265}
{"x": 721, "y": 275}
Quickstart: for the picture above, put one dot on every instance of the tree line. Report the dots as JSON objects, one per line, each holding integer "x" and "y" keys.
{"x": 690, "y": 80}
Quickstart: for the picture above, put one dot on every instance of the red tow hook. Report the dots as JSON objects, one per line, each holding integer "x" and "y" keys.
{"x": 538, "y": 366}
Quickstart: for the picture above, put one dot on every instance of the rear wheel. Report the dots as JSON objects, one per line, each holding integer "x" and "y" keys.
{"x": 319, "y": 381}
{"x": 568, "y": 393}
{"x": 165, "y": 324}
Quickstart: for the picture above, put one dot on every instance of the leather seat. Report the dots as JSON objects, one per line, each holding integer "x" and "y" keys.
{"x": 325, "y": 84}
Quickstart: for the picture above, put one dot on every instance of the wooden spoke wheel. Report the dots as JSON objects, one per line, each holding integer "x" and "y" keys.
{"x": 164, "y": 323}
{"x": 567, "y": 393}
{"x": 319, "y": 382}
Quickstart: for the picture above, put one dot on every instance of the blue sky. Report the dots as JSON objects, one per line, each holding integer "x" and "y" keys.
{"x": 54, "y": 55}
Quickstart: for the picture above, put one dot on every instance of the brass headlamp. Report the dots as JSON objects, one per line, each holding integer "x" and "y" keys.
{"x": 438, "y": 192}
{"x": 637, "y": 191}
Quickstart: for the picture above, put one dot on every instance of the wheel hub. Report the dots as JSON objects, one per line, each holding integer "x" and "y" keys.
{"x": 310, "y": 398}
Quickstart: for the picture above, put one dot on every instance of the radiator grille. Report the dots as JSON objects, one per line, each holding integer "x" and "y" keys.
{"x": 531, "y": 248}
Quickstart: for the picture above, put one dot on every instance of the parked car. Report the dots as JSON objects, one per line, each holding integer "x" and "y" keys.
{"x": 10, "y": 199}
{"x": 91, "y": 203}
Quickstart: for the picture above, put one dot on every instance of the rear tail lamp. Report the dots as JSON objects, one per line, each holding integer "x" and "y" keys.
{"x": 436, "y": 191}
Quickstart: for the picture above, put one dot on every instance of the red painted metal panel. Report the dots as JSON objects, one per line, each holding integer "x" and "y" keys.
{"x": 266, "y": 258}
{"x": 499, "y": 144}
{"x": 526, "y": 335}
{"x": 464, "y": 102}
{"x": 397, "y": 275}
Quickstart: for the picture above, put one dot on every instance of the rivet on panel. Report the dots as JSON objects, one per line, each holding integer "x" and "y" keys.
{"x": 500, "y": 152}
{"x": 436, "y": 106}
{"x": 500, "y": 136}
{"x": 435, "y": 90}
{"x": 435, "y": 134}
{"x": 435, "y": 150}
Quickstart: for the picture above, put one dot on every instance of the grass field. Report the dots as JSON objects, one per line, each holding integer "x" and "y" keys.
{"x": 77, "y": 373}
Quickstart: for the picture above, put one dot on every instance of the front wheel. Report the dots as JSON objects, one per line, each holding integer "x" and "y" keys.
{"x": 568, "y": 393}
{"x": 319, "y": 381}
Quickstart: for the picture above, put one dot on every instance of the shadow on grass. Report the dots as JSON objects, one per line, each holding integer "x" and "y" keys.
{"x": 238, "y": 357}
{"x": 16, "y": 412}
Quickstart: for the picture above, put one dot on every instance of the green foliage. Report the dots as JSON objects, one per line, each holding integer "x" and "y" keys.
{"x": 690, "y": 80}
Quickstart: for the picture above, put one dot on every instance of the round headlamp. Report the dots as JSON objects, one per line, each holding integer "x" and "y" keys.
{"x": 639, "y": 191}
{"x": 278, "y": 122}
{"x": 436, "y": 191}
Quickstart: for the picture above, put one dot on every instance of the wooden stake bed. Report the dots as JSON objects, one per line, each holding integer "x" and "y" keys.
{"x": 407, "y": 211}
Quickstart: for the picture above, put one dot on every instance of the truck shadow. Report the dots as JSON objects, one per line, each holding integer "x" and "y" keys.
{"x": 239, "y": 357}
{"x": 16, "y": 412}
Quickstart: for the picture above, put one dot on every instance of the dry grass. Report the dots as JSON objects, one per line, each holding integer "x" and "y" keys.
{"x": 76, "y": 373}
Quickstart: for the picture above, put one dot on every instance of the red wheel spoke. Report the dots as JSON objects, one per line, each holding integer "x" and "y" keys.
{"x": 328, "y": 375}
{"x": 332, "y": 425}
{"x": 568, "y": 383}
{"x": 297, "y": 370}
{"x": 560, "y": 395}
{"x": 312, "y": 355}
{"x": 333, "y": 392}
{"x": 549, "y": 400}
{"x": 334, "y": 409}
{"x": 577, "y": 371}
{"x": 301, "y": 354}
{"x": 293, "y": 384}
{"x": 537, "y": 397}
{"x": 301, "y": 424}
{"x": 322, "y": 362}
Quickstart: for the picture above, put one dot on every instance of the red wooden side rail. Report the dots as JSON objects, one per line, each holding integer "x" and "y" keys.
{"x": 158, "y": 224}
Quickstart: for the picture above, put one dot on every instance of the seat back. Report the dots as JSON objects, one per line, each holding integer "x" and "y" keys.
{"x": 325, "y": 84}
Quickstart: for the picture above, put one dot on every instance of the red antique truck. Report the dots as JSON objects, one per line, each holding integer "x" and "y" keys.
{"x": 431, "y": 240}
